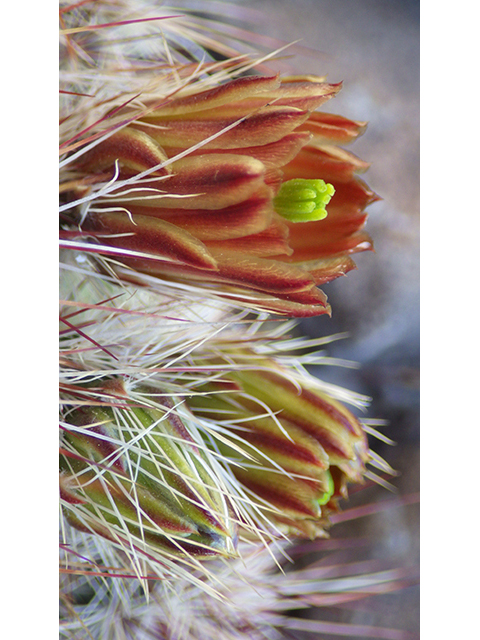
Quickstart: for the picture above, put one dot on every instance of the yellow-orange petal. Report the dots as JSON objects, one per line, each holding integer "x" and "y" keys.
{"x": 263, "y": 126}
{"x": 261, "y": 274}
{"x": 328, "y": 128}
{"x": 330, "y": 163}
{"x": 305, "y": 92}
{"x": 284, "y": 307}
{"x": 274, "y": 154}
{"x": 231, "y": 92}
{"x": 272, "y": 241}
{"x": 327, "y": 269}
{"x": 350, "y": 205}
{"x": 248, "y": 217}
{"x": 299, "y": 454}
{"x": 294, "y": 499}
{"x": 326, "y": 420}
{"x": 152, "y": 236}
{"x": 345, "y": 236}
{"x": 135, "y": 151}
{"x": 206, "y": 182}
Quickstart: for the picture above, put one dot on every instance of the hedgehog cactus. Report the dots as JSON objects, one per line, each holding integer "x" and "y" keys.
{"x": 197, "y": 197}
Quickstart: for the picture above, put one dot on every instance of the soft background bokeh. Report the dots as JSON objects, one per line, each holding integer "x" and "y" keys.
{"x": 373, "y": 47}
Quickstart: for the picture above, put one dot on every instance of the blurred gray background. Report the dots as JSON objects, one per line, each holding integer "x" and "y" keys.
{"x": 373, "y": 47}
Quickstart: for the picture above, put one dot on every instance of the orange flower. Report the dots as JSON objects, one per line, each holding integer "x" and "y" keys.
{"x": 202, "y": 175}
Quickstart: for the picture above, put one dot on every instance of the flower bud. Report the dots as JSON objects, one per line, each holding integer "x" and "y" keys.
{"x": 133, "y": 471}
{"x": 292, "y": 447}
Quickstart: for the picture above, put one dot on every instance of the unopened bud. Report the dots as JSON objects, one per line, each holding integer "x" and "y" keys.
{"x": 135, "y": 471}
{"x": 297, "y": 460}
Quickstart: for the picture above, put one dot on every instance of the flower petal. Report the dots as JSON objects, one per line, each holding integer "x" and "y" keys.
{"x": 328, "y": 128}
{"x": 248, "y": 217}
{"x": 263, "y": 126}
{"x": 237, "y": 90}
{"x": 285, "y": 307}
{"x": 310, "y": 243}
{"x": 262, "y": 274}
{"x": 238, "y": 270}
{"x": 335, "y": 428}
{"x": 300, "y": 454}
{"x": 211, "y": 181}
{"x": 331, "y": 163}
{"x": 294, "y": 499}
{"x": 274, "y": 154}
{"x": 327, "y": 269}
{"x": 135, "y": 151}
{"x": 306, "y": 92}
{"x": 272, "y": 241}
{"x": 153, "y": 236}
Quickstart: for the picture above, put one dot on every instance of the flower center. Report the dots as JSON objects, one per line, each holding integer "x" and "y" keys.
{"x": 324, "y": 498}
{"x": 301, "y": 200}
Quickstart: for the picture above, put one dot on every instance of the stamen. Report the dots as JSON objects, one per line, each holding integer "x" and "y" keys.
{"x": 301, "y": 200}
{"x": 330, "y": 489}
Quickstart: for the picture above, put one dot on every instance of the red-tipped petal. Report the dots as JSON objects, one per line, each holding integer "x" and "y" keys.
{"x": 248, "y": 217}
{"x": 330, "y": 163}
{"x": 329, "y": 268}
{"x": 206, "y": 182}
{"x": 306, "y": 92}
{"x": 332, "y": 129}
{"x": 286, "y": 307}
{"x": 261, "y": 127}
{"x": 152, "y": 236}
{"x": 247, "y": 272}
{"x": 234, "y": 91}
{"x": 335, "y": 428}
{"x": 262, "y": 274}
{"x": 135, "y": 151}
{"x": 309, "y": 245}
{"x": 295, "y": 499}
{"x": 301, "y": 454}
{"x": 274, "y": 154}
{"x": 272, "y": 241}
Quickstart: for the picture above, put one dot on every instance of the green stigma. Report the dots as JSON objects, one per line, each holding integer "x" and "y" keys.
{"x": 301, "y": 200}
{"x": 324, "y": 498}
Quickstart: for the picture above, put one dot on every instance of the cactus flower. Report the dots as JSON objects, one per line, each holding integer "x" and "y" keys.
{"x": 226, "y": 187}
